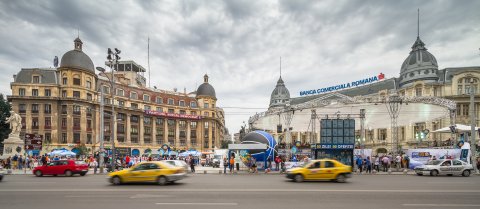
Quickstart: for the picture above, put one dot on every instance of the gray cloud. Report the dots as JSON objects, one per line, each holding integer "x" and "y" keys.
{"x": 238, "y": 43}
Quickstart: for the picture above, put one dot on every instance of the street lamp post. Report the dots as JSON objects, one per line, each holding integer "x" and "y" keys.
{"x": 473, "y": 141}
{"x": 112, "y": 58}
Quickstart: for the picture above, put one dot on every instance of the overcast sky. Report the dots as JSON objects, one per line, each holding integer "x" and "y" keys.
{"x": 238, "y": 43}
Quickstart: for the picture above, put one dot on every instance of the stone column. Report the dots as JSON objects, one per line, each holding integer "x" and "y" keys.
{"x": 154, "y": 131}
{"x": 128, "y": 128}
{"x": 177, "y": 133}
{"x": 188, "y": 141}
{"x": 141, "y": 131}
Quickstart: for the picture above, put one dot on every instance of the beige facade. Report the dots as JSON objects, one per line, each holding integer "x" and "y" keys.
{"x": 63, "y": 105}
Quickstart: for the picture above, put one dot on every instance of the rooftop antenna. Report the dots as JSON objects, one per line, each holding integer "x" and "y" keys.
{"x": 280, "y": 67}
{"x": 418, "y": 22}
{"x": 148, "y": 60}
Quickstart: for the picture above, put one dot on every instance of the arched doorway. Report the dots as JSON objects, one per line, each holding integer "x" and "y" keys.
{"x": 381, "y": 151}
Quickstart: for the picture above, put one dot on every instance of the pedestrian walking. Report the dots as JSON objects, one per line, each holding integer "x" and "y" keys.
{"x": 368, "y": 165}
{"x": 232, "y": 162}
{"x": 359, "y": 164}
{"x": 377, "y": 164}
{"x": 277, "y": 163}
{"x": 192, "y": 165}
{"x": 385, "y": 162}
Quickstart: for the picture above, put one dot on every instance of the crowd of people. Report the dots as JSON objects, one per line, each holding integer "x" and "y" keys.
{"x": 381, "y": 163}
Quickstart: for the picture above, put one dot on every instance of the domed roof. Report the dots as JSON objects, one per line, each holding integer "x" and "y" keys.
{"x": 206, "y": 89}
{"x": 419, "y": 65}
{"x": 280, "y": 95}
{"x": 77, "y": 59}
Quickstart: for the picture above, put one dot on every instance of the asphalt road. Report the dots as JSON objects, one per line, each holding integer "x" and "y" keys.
{"x": 241, "y": 191}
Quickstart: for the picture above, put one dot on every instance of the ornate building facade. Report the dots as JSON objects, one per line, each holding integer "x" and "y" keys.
{"x": 63, "y": 105}
{"x": 419, "y": 76}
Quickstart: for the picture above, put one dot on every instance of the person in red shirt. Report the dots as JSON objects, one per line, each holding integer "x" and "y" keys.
{"x": 127, "y": 161}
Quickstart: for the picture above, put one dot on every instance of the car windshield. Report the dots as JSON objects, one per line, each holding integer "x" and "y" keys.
{"x": 434, "y": 162}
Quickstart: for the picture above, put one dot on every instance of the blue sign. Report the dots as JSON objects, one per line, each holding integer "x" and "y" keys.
{"x": 343, "y": 86}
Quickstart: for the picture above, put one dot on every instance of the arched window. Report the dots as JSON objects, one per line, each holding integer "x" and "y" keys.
{"x": 467, "y": 83}
{"x": 76, "y": 80}
{"x": 64, "y": 79}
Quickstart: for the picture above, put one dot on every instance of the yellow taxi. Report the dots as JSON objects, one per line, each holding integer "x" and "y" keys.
{"x": 153, "y": 171}
{"x": 324, "y": 169}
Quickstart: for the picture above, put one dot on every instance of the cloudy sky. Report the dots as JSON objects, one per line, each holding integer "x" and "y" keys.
{"x": 238, "y": 43}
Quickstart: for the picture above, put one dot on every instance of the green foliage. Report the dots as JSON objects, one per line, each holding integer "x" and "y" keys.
{"x": 82, "y": 149}
{"x": 4, "y": 114}
{"x": 225, "y": 143}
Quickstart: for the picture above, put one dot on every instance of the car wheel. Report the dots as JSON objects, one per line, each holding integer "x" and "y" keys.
{"x": 434, "y": 173}
{"x": 38, "y": 173}
{"x": 341, "y": 178}
{"x": 162, "y": 180}
{"x": 116, "y": 180}
{"x": 466, "y": 173}
{"x": 68, "y": 173}
{"x": 298, "y": 178}
{"x": 83, "y": 174}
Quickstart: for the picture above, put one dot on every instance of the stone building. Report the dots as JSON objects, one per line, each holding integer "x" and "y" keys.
{"x": 63, "y": 105}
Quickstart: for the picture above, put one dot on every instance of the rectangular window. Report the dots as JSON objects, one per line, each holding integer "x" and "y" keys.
{"x": 159, "y": 121}
{"x": 134, "y": 140}
{"x": 36, "y": 79}
{"x": 64, "y": 93}
{"x": 193, "y": 134}
{"x": 89, "y": 125}
{"x": 22, "y": 108}
{"x": 134, "y": 119}
{"x": 171, "y": 133}
{"x": 48, "y": 122}
{"x": 193, "y": 104}
{"x": 48, "y": 137}
{"x": 171, "y": 102}
{"x": 147, "y": 140}
{"x": 171, "y": 111}
{"x": 183, "y": 112}
{"x": 48, "y": 92}
{"x": 133, "y": 95}
{"x": 181, "y": 103}
{"x": 21, "y": 92}
{"x": 134, "y": 130}
{"x": 35, "y": 108}
{"x": 193, "y": 113}
{"x": 64, "y": 122}
{"x": 193, "y": 125}
{"x": 48, "y": 108}
{"x": 106, "y": 90}
{"x": 76, "y": 81}
{"x": 76, "y": 123}
{"x": 89, "y": 111}
{"x": 120, "y": 92}
{"x": 121, "y": 103}
{"x": 205, "y": 114}
{"x": 159, "y": 100}
{"x": 121, "y": 117}
{"x": 64, "y": 109}
{"x": 159, "y": 109}
{"x": 76, "y": 110}
{"x": 147, "y": 107}
{"x": 89, "y": 85}
{"x": 89, "y": 97}
{"x": 159, "y": 136}
{"x": 64, "y": 138}
{"x": 171, "y": 123}
{"x": 182, "y": 124}
{"x": 64, "y": 81}
{"x": 205, "y": 105}
{"x": 193, "y": 142}
{"x": 134, "y": 106}
{"x": 147, "y": 120}
{"x": 76, "y": 94}
{"x": 34, "y": 123}
{"x": 120, "y": 128}
{"x": 146, "y": 98}
{"x": 35, "y": 92}
{"x": 89, "y": 139}
{"x": 183, "y": 133}
{"x": 382, "y": 134}
{"x": 121, "y": 139}
{"x": 76, "y": 138}
{"x": 147, "y": 130}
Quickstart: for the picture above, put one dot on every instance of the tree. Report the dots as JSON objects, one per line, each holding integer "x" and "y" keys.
{"x": 4, "y": 114}
{"x": 225, "y": 143}
{"x": 82, "y": 149}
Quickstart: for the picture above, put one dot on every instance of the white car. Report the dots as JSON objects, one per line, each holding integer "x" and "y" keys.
{"x": 178, "y": 163}
{"x": 1, "y": 173}
{"x": 444, "y": 167}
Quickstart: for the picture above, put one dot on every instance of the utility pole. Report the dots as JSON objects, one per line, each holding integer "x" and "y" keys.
{"x": 102, "y": 129}
{"x": 473, "y": 141}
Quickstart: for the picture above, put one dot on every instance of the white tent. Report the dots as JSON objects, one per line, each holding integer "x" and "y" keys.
{"x": 458, "y": 127}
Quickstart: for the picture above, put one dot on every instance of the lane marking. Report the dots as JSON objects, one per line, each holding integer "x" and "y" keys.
{"x": 440, "y": 205}
{"x": 90, "y": 196}
{"x": 196, "y": 203}
{"x": 235, "y": 190}
{"x": 141, "y": 196}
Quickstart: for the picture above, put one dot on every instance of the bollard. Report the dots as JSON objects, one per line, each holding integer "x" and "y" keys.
{"x": 389, "y": 171}
{"x": 204, "y": 172}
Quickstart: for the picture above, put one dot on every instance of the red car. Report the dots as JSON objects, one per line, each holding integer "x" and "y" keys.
{"x": 62, "y": 167}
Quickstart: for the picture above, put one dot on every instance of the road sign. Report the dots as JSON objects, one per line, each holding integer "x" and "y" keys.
{"x": 33, "y": 141}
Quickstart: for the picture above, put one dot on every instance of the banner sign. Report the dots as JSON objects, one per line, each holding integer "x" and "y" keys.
{"x": 33, "y": 141}
{"x": 172, "y": 115}
{"x": 333, "y": 146}
{"x": 368, "y": 80}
